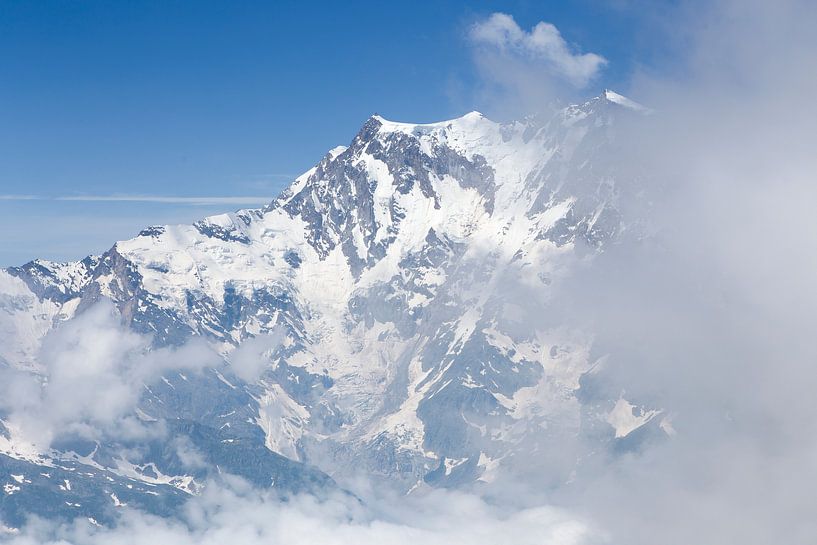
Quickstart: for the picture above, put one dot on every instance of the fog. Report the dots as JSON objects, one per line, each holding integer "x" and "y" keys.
{"x": 709, "y": 318}
{"x": 93, "y": 372}
{"x": 706, "y": 310}
{"x": 232, "y": 512}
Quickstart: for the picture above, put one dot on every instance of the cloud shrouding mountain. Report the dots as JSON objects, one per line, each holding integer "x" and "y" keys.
{"x": 235, "y": 513}
{"x": 94, "y": 371}
{"x": 708, "y": 319}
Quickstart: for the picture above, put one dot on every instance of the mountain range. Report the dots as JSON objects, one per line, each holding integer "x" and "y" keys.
{"x": 388, "y": 314}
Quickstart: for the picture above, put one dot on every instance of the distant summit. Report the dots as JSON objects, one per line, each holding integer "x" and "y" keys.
{"x": 390, "y": 300}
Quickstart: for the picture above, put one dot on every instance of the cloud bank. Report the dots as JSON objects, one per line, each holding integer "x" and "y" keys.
{"x": 710, "y": 320}
{"x": 92, "y": 372}
{"x": 234, "y": 513}
{"x": 709, "y": 317}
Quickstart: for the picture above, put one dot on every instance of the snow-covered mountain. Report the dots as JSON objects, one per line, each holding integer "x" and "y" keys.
{"x": 386, "y": 314}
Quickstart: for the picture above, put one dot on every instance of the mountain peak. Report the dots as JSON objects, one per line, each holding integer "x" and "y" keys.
{"x": 366, "y": 270}
{"x": 470, "y": 117}
{"x": 621, "y": 100}
{"x": 474, "y": 114}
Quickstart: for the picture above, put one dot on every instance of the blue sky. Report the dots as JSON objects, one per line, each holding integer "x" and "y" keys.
{"x": 216, "y": 99}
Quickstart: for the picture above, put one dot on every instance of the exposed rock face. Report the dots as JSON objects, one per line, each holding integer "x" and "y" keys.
{"x": 407, "y": 276}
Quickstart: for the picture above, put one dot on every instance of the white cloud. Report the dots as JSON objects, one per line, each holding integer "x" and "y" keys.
{"x": 165, "y": 199}
{"x": 714, "y": 325}
{"x": 93, "y": 370}
{"x": 251, "y": 358}
{"x": 544, "y": 43}
{"x": 236, "y": 514}
{"x": 194, "y": 201}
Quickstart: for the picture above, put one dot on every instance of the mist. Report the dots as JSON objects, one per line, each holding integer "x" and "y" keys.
{"x": 705, "y": 312}
{"x": 91, "y": 374}
{"x": 233, "y": 512}
{"x": 704, "y": 308}
{"x": 710, "y": 317}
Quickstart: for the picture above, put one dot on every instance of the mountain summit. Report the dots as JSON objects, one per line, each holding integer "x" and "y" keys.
{"x": 383, "y": 315}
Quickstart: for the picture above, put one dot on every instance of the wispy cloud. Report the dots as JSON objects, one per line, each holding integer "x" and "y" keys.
{"x": 167, "y": 199}
{"x": 275, "y": 175}
{"x": 96, "y": 372}
{"x": 195, "y": 201}
{"x": 544, "y": 43}
{"x": 231, "y": 510}
{"x": 19, "y": 197}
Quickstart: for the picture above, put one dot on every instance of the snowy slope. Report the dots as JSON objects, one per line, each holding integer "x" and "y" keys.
{"x": 402, "y": 280}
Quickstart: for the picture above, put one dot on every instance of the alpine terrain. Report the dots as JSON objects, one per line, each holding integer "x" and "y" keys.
{"x": 386, "y": 315}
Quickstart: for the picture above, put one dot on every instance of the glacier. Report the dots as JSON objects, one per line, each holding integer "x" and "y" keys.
{"x": 387, "y": 314}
